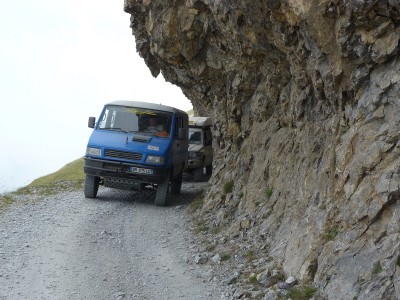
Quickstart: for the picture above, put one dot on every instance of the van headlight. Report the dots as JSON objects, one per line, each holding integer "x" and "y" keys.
{"x": 93, "y": 151}
{"x": 155, "y": 159}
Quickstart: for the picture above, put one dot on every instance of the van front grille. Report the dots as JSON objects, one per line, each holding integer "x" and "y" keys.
{"x": 123, "y": 154}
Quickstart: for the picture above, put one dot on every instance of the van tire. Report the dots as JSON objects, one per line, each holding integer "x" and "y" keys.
{"x": 161, "y": 195}
{"x": 91, "y": 186}
{"x": 198, "y": 174}
{"x": 176, "y": 184}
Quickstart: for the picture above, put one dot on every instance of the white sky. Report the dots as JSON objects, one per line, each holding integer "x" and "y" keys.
{"x": 60, "y": 62}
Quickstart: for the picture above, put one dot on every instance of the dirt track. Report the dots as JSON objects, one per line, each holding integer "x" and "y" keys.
{"x": 119, "y": 246}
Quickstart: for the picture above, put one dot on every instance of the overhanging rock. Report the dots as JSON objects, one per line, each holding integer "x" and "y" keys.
{"x": 305, "y": 99}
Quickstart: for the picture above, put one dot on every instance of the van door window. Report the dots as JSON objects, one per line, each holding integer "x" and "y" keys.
{"x": 180, "y": 124}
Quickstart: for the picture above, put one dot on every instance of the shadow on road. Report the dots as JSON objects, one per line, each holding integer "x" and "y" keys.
{"x": 190, "y": 191}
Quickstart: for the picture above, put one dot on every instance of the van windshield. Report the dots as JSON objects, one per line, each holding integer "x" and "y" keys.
{"x": 136, "y": 120}
{"x": 195, "y": 136}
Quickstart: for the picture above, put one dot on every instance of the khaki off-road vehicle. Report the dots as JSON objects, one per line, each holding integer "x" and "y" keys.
{"x": 200, "y": 147}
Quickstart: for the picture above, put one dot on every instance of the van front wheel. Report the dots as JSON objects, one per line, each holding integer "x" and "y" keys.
{"x": 176, "y": 184}
{"x": 161, "y": 195}
{"x": 91, "y": 186}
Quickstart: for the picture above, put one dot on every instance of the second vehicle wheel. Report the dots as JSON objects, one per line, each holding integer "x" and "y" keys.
{"x": 209, "y": 170}
{"x": 91, "y": 186}
{"x": 161, "y": 195}
{"x": 198, "y": 174}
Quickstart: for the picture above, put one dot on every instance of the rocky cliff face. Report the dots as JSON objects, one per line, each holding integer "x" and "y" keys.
{"x": 305, "y": 99}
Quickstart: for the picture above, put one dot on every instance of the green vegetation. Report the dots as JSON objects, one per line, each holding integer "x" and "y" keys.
{"x": 377, "y": 268}
{"x": 196, "y": 204}
{"x": 225, "y": 256}
{"x": 332, "y": 234}
{"x": 216, "y": 230}
{"x": 5, "y": 200}
{"x": 211, "y": 248}
{"x": 268, "y": 192}
{"x": 250, "y": 255}
{"x": 70, "y": 176}
{"x": 201, "y": 227}
{"x": 253, "y": 279}
{"x": 301, "y": 293}
{"x": 190, "y": 112}
{"x": 228, "y": 187}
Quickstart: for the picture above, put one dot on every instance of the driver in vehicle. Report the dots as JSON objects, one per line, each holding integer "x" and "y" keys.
{"x": 154, "y": 126}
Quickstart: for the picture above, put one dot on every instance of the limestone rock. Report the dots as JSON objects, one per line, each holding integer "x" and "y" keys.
{"x": 305, "y": 101}
{"x": 216, "y": 259}
{"x": 290, "y": 281}
{"x": 200, "y": 260}
{"x": 268, "y": 279}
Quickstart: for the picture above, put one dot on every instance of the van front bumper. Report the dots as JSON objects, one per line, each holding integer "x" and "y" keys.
{"x": 115, "y": 169}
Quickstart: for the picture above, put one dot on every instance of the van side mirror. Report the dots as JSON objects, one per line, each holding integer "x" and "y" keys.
{"x": 91, "y": 122}
{"x": 182, "y": 133}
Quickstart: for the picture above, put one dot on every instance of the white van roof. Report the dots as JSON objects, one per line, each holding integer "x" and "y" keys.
{"x": 199, "y": 121}
{"x": 146, "y": 105}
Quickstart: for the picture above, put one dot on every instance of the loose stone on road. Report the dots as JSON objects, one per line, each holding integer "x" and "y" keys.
{"x": 118, "y": 246}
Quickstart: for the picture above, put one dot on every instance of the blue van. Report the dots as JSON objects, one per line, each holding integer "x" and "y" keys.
{"x": 135, "y": 144}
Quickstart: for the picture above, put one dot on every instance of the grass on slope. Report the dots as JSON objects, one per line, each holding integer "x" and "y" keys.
{"x": 190, "y": 112}
{"x": 5, "y": 201}
{"x": 69, "y": 177}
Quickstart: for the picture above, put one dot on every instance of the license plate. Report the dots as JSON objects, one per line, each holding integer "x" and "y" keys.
{"x": 141, "y": 170}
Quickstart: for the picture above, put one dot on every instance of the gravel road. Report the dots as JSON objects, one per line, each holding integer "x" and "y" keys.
{"x": 118, "y": 246}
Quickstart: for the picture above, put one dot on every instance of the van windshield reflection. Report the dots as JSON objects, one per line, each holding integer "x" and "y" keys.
{"x": 136, "y": 120}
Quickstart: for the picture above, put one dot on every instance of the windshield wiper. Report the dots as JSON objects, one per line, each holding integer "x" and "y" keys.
{"x": 113, "y": 128}
{"x": 137, "y": 131}
{"x": 126, "y": 131}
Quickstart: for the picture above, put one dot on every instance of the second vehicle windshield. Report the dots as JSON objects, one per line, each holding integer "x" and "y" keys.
{"x": 195, "y": 136}
{"x": 132, "y": 119}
